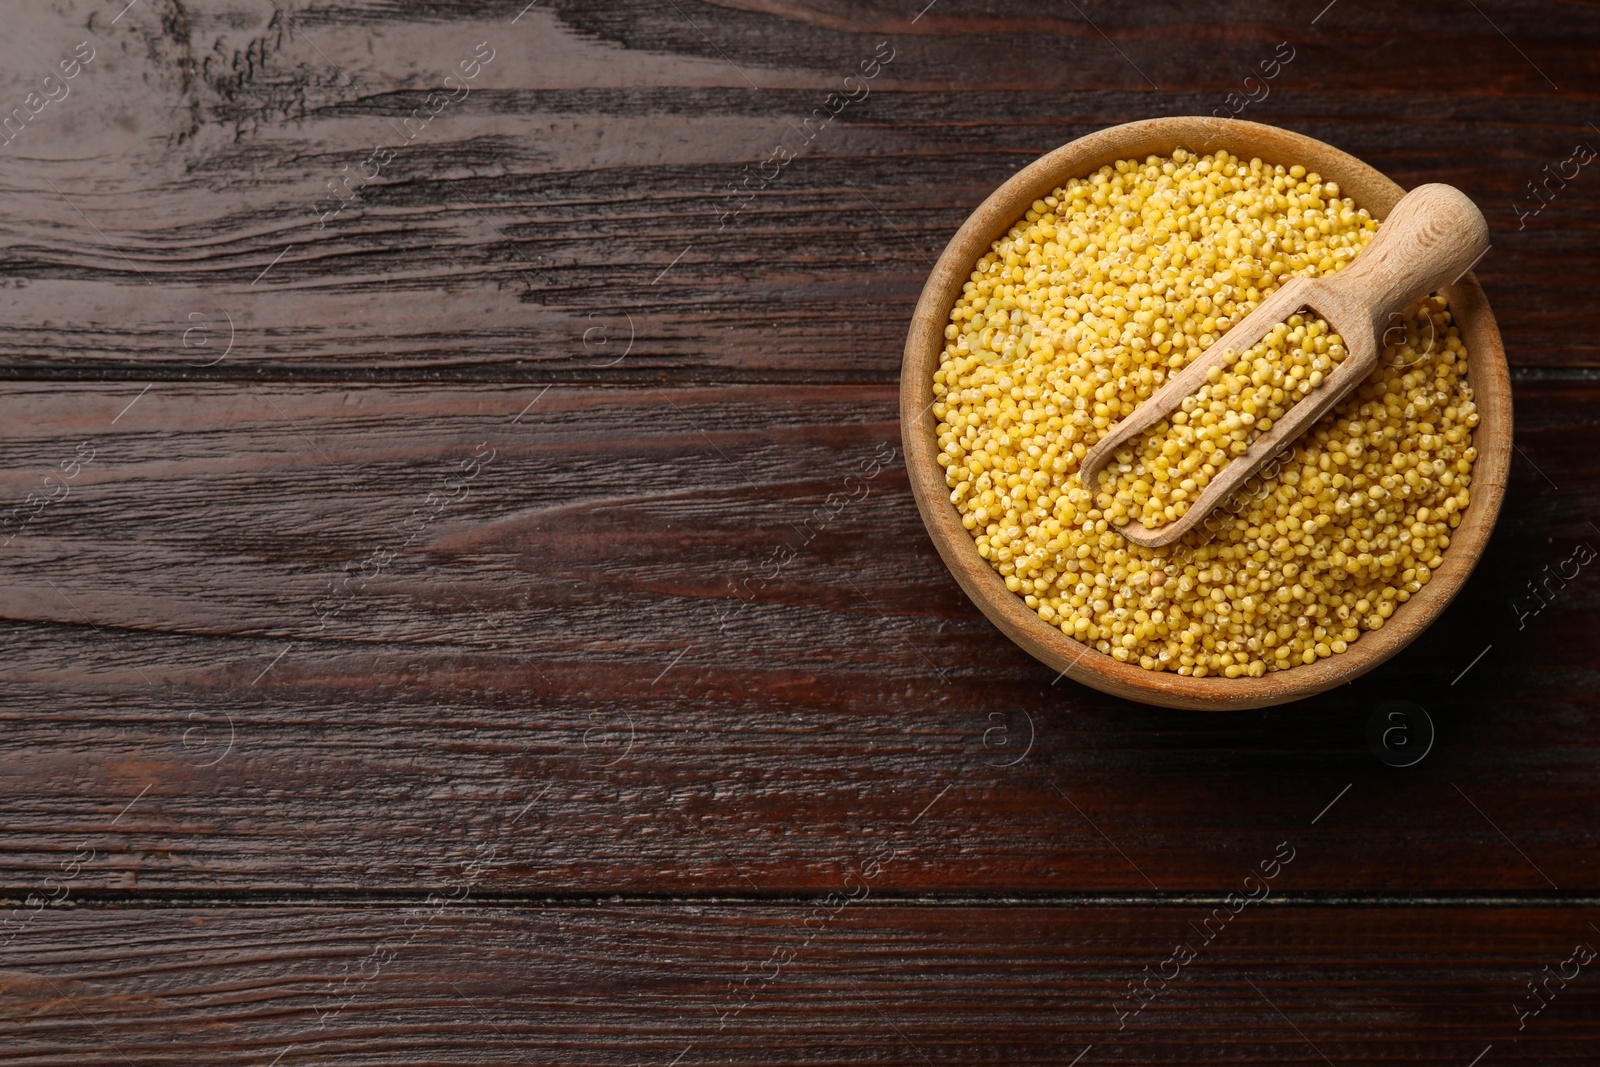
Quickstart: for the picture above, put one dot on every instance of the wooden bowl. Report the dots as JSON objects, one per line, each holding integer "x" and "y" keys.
{"x": 1487, "y": 375}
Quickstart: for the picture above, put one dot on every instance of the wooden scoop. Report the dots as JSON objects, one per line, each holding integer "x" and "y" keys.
{"x": 1432, "y": 237}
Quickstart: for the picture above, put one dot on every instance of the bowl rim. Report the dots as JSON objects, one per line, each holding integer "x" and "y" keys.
{"x": 1487, "y": 374}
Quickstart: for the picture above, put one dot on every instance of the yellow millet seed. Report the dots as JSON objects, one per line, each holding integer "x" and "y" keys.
{"x": 1083, "y": 309}
{"x": 1240, "y": 401}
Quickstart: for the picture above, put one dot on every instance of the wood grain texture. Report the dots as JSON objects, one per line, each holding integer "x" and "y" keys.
{"x": 574, "y": 213}
{"x": 823, "y": 983}
{"x": 711, "y": 651}
{"x": 343, "y": 610}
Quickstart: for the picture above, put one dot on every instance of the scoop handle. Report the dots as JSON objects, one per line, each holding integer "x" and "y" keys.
{"x": 1432, "y": 237}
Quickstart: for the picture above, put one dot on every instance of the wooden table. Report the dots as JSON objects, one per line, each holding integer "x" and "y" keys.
{"x": 435, "y": 635}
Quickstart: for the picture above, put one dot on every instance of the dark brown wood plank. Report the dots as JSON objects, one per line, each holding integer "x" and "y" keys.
{"x": 569, "y": 215}
{"x": 588, "y": 656}
{"x": 823, "y": 983}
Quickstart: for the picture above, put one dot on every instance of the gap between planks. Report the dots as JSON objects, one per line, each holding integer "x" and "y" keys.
{"x": 686, "y": 377}
{"x": 103, "y": 900}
